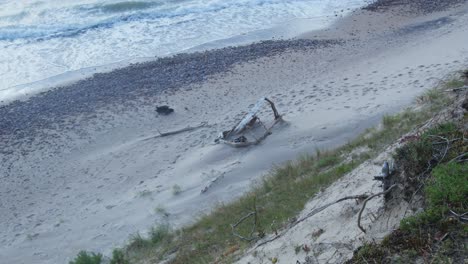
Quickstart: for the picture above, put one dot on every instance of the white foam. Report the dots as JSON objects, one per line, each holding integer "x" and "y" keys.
{"x": 39, "y": 40}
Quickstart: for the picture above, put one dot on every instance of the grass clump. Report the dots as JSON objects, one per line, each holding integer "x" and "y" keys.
{"x": 455, "y": 83}
{"x": 158, "y": 240}
{"x": 446, "y": 190}
{"x": 297, "y": 249}
{"x": 159, "y": 233}
{"x": 176, "y": 189}
{"x": 84, "y": 257}
{"x": 145, "y": 193}
{"x": 118, "y": 257}
{"x": 138, "y": 243}
{"x": 449, "y": 187}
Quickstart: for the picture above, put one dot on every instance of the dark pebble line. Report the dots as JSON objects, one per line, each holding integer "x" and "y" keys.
{"x": 419, "y": 6}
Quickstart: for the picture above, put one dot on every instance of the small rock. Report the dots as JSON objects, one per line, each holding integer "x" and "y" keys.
{"x": 465, "y": 104}
{"x": 164, "y": 110}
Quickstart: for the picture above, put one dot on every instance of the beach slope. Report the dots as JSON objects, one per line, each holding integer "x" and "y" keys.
{"x": 83, "y": 168}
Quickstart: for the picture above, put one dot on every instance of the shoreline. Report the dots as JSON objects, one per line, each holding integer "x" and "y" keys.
{"x": 80, "y": 179}
{"x": 289, "y": 31}
{"x": 26, "y": 91}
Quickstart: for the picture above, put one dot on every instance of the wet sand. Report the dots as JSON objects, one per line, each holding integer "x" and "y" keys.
{"x": 79, "y": 172}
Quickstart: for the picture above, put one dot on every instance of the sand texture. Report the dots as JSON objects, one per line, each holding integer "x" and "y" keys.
{"x": 81, "y": 168}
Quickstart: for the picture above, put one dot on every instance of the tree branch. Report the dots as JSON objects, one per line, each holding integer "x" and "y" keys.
{"x": 170, "y": 133}
{"x": 312, "y": 213}
{"x": 367, "y": 200}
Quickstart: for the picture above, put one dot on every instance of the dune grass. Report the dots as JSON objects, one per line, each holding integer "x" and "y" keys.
{"x": 278, "y": 198}
{"x": 87, "y": 258}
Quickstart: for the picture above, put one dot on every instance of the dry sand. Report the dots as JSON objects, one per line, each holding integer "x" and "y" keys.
{"x": 332, "y": 235}
{"x": 101, "y": 186}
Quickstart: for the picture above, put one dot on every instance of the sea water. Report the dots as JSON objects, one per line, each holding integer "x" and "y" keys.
{"x": 40, "y": 39}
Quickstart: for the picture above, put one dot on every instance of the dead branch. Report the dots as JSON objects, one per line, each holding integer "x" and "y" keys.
{"x": 459, "y": 157}
{"x": 461, "y": 217}
{"x": 457, "y": 89}
{"x": 170, "y": 133}
{"x": 447, "y": 142}
{"x": 312, "y": 213}
{"x": 233, "y": 227}
{"x": 318, "y": 210}
{"x": 315, "y": 211}
{"x": 367, "y": 200}
{"x": 245, "y": 217}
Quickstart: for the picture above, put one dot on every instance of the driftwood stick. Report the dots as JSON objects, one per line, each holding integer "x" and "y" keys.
{"x": 457, "y": 89}
{"x": 312, "y": 213}
{"x": 170, "y": 133}
{"x": 447, "y": 142}
{"x": 181, "y": 130}
{"x": 368, "y": 199}
{"x": 233, "y": 227}
{"x": 458, "y": 158}
{"x": 318, "y": 210}
{"x": 459, "y": 216}
{"x": 254, "y": 225}
{"x": 315, "y": 211}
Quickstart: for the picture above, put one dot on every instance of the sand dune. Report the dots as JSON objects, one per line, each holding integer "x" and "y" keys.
{"x": 89, "y": 180}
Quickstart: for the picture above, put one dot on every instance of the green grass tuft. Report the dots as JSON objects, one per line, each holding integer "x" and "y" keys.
{"x": 118, "y": 257}
{"x": 455, "y": 83}
{"x": 87, "y": 258}
{"x": 449, "y": 187}
{"x": 159, "y": 233}
{"x": 176, "y": 189}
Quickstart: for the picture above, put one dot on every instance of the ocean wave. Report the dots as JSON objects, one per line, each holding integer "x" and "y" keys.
{"x": 14, "y": 17}
{"x": 39, "y": 33}
{"x": 187, "y": 8}
{"x": 120, "y": 7}
{"x": 126, "y": 6}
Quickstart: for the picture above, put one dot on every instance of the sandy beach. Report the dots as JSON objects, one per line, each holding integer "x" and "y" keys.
{"x": 81, "y": 168}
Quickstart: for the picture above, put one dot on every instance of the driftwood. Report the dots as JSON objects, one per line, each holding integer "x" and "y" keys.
{"x": 312, "y": 213}
{"x": 170, "y": 133}
{"x": 236, "y": 137}
{"x": 251, "y": 143}
{"x": 457, "y": 89}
